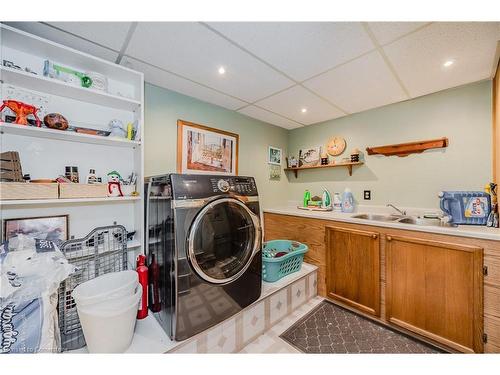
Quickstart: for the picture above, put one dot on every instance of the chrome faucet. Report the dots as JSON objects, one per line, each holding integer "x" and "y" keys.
{"x": 402, "y": 212}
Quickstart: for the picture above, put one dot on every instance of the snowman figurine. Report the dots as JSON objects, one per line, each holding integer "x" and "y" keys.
{"x": 114, "y": 184}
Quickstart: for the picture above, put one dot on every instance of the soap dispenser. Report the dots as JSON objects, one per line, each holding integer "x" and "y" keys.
{"x": 347, "y": 201}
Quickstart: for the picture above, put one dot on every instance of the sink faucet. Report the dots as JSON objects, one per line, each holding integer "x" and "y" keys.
{"x": 402, "y": 212}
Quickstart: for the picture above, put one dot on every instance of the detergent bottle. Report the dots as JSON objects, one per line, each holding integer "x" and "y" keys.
{"x": 337, "y": 202}
{"x": 347, "y": 201}
{"x": 307, "y": 198}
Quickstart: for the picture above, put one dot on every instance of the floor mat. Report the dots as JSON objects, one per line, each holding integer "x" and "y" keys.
{"x": 329, "y": 328}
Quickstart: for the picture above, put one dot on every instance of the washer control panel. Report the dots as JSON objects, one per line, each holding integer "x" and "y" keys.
{"x": 237, "y": 185}
{"x": 205, "y": 186}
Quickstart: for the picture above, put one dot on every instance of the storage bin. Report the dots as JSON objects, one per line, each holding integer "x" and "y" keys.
{"x": 68, "y": 190}
{"x": 109, "y": 327}
{"x": 25, "y": 190}
{"x": 274, "y": 269}
{"x": 105, "y": 287}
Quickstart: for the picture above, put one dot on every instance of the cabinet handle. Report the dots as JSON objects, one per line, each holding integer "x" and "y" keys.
{"x": 389, "y": 238}
{"x": 374, "y": 236}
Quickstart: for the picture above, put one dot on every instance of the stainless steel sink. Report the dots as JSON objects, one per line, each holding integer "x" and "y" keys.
{"x": 376, "y": 217}
{"x": 423, "y": 221}
{"x": 413, "y": 220}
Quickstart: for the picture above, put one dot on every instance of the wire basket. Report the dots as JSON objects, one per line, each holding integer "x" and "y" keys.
{"x": 274, "y": 268}
{"x": 102, "y": 251}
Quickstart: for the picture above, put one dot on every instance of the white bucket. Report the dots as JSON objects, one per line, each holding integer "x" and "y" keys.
{"x": 105, "y": 287}
{"x": 108, "y": 327}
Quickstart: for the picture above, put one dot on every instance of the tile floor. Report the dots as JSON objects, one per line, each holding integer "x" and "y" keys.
{"x": 270, "y": 342}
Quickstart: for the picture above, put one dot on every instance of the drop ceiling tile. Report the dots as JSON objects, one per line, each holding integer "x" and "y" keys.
{"x": 299, "y": 49}
{"x": 108, "y": 34}
{"x": 58, "y": 36}
{"x": 269, "y": 117}
{"x": 359, "y": 85}
{"x": 172, "y": 82}
{"x": 193, "y": 51}
{"x": 289, "y": 103}
{"x": 386, "y": 32}
{"x": 418, "y": 58}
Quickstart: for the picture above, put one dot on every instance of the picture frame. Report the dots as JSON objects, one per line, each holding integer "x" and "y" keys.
{"x": 54, "y": 228}
{"x": 205, "y": 150}
{"x": 274, "y": 155}
{"x": 309, "y": 157}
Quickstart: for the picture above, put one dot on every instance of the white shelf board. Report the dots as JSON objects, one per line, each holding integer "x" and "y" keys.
{"x": 28, "y": 202}
{"x": 63, "y": 135}
{"x": 52, "y": 86}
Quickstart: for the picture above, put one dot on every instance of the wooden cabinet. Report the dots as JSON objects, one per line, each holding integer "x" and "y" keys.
{"x": 435, "y": 289}
{"x": 353, "y": 268}
{"x": 431, "y": 284}
{"x": 308, "y": 231}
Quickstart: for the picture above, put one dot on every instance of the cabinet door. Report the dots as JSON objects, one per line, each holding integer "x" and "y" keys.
{"x": 436, "y": 289}
{"x": 353, "y": 268}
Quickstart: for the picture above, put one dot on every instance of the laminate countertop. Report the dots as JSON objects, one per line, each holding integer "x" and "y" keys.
{"x": 474, "y": 231}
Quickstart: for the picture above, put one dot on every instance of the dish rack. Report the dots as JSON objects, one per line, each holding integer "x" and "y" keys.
{"x": 101, "y": 251}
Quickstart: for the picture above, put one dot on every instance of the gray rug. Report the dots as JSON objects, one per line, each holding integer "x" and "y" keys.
{"x": 329, "y": 328}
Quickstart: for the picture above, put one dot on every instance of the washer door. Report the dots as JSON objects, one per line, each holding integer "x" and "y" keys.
{"x": 222, "y": 240}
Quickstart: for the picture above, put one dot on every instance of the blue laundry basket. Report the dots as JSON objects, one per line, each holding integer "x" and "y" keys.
{"x": 274, "y": 269}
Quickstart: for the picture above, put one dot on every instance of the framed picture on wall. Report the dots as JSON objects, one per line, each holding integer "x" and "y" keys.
{"x": 274, "y": 155}
{"x": 309, "y": 157}
{"x": 53, "y": 228}
{"x": 203, "y": 150}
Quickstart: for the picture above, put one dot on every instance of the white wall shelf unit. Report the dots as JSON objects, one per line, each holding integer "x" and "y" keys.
{"x": 72, "y": 201}
{"x": 37, "y": 82}
{"x": 45, "y": 152}
{"x": 42, "y": 132}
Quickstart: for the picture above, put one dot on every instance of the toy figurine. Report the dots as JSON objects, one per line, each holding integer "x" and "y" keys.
{"x": 22, "y": 111}
{"x": 117, "y": 129}
{"x": 114, "y": 184}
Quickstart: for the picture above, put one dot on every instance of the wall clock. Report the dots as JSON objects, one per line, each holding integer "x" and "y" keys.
{"x": 335, "y": 146}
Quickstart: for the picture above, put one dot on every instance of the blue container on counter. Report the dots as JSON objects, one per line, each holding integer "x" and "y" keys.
{"x": 466, "y": 207}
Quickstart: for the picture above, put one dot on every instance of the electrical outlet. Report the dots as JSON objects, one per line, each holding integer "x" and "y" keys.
{"x": 367, "y": 195}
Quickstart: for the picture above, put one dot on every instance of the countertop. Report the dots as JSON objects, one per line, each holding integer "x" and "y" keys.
{"x": 474, "y": 231}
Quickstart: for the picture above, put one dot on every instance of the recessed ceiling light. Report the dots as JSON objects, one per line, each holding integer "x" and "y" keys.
{"x": 222, "y": 70}
{"x": 303, "y": 110}
{"x": 448, "y": 63}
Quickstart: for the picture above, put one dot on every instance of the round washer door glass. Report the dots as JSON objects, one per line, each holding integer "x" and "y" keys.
{"x": 222, "y": 240}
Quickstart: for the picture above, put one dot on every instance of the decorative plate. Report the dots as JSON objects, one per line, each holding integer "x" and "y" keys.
{"x": 335, "y": 146}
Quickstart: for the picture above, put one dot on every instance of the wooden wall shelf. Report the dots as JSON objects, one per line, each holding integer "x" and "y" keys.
{"x": 405, "y": 149}
{"x": 345, "y": 165}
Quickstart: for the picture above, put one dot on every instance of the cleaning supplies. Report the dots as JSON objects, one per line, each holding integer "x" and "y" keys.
{"x": 337, "y": 202}
{"x": 307, "y": 198}
{"x": 142, "y": 272}
{"x": 326, "y": 200}
{"x": 466, "y": 207}
{"x": 492, "y": 221}
{"x": 347, "y": 201}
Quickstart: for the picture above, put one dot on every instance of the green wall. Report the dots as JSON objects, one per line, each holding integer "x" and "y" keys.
{"x": 462, "y": 114}
{"x": 162, "y": 110}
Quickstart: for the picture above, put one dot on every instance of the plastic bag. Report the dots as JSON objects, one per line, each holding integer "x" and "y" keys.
{"x": 30, "y": 273}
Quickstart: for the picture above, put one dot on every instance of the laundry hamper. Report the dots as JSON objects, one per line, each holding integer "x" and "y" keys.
{"x": 274, "y": 268}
